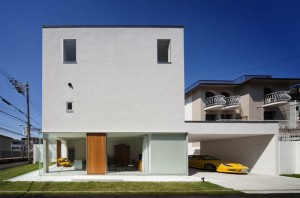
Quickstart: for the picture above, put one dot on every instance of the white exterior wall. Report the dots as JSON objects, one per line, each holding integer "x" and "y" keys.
{"x": 223, "y": 130}
{"x": 118, "y": 86}
{"x": 188, "y": 108}
{"x": 289, "y": 157}
{"x": 194, "y": 148}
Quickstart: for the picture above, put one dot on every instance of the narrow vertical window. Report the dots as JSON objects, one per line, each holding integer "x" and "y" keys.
{"x": 164, "y": 51}
{"x": 69, "y": 106}
{"x": 69, "y": 50}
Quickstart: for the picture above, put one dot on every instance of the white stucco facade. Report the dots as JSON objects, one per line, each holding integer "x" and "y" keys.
{"x": 118, "y": 85}
{"x": 289, "y": 157}
{"x": 104, "y": 86}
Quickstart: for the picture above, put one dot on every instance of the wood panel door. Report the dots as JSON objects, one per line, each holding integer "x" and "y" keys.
{"x": 96, "y": 153}
{"x": 58, "y": 151}
{"x": 122, "y": 154}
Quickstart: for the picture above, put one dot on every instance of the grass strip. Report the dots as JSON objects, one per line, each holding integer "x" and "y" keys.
{"x": 110, "y": 188}
{"x": 291, "y": 175}
{"x": 16, "y": 171}
{"x": 115, "y": 188}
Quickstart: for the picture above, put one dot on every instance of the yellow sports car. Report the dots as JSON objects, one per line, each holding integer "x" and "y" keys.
{"x": 212, "y": 164}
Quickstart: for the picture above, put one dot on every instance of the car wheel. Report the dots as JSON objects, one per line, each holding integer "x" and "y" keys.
{"x": 210, "y": 167}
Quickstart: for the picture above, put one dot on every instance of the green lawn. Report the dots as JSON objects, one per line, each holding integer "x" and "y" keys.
{"x": 116, "y": 187}
{"x": 104, "y": 187}
{"x": 292, "y": 175}
{"x": 16, "y": 171}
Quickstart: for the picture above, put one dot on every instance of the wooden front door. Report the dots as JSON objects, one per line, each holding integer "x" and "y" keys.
{"x": 58, "y": 151}
{"x": 96, "y": 153}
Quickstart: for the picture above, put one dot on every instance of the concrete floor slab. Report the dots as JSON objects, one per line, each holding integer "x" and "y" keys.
{"x": 251, "y": 183}
{"x": 34, "y": 176}
{"x": 68, "y": 174}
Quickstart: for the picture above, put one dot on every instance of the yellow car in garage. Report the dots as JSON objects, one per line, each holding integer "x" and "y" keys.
{"x": 210, "y": 163}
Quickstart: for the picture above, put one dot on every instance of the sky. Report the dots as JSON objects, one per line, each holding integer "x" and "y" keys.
{"x": 223, "y": 39}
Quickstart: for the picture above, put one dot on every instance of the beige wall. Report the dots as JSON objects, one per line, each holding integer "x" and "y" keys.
{"x": 196, "y": 106}
{"x": 199, "y": 102}
{"x": 256, "y": 96}
{"x": 252, "y": 95}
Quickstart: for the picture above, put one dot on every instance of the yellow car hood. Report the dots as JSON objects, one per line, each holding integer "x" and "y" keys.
{"x": 218, "y": 162}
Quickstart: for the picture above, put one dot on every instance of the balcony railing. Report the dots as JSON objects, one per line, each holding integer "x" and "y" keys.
{"x": 276, "y": 98}
{"x": 215, "y": 102}
{"x": 220, "y": 102}
{"x": 232, "y": 102}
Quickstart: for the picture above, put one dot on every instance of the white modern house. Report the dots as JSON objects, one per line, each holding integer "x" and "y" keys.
{"x": 113, "y": 98}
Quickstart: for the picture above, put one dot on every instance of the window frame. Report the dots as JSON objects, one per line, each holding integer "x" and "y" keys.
{"x": 169, "y": 52}
{"x": 67, "y": 107}
{"x": 63, "y": 52}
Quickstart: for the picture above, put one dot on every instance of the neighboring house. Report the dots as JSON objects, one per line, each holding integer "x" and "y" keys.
{"x": 248, "y": 98}
{"x": 239, "y": 120}
{"x": 113, "y": 96}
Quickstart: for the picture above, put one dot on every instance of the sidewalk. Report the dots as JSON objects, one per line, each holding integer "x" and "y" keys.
{"x": 252, "y": 183}
{"x": 33, "y": 176}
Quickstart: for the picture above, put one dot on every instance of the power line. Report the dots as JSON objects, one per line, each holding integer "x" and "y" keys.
{"x": 258, "y": 67}
{"x": 14, "y": 117}
{"x": 37, "y": 108}
{"x": 10, "y": 131}
{"x": 1, "y": 105}
{"x": 19, "y": 86}
{"x": 5, "y": 74}
{"x": 35, "y": 121}
{"x": 10, "y": 104}
{"x": 16, "y": 108}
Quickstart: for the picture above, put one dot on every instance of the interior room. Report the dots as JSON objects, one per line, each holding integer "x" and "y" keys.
{"x": 124, "y": 152}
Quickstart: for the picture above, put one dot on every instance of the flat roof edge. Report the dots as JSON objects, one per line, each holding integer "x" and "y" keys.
{"x": 233, "y": 121}
{"x": 112, "y": 26}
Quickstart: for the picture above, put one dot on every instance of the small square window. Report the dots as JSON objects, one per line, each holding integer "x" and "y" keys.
{"x": 69, "y": 106}
{"x": 164, "y": 51}
{"x": 69, "y": 50}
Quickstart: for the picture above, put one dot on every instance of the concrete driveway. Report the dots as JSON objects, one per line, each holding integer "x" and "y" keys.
{"x": 250, "y": 183}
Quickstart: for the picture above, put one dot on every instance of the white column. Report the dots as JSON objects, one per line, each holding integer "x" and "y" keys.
{"x": 45, "y": 154}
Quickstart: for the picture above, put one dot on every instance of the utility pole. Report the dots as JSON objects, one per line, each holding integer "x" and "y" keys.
{"x": 28, "y": 123}
{"x": 20, "y": 89}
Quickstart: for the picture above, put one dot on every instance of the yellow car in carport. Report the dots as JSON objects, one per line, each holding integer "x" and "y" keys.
{"x": 212, "y": 164}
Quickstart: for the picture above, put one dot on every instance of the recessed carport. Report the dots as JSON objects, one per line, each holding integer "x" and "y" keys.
{"x": 251, "y": 143}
